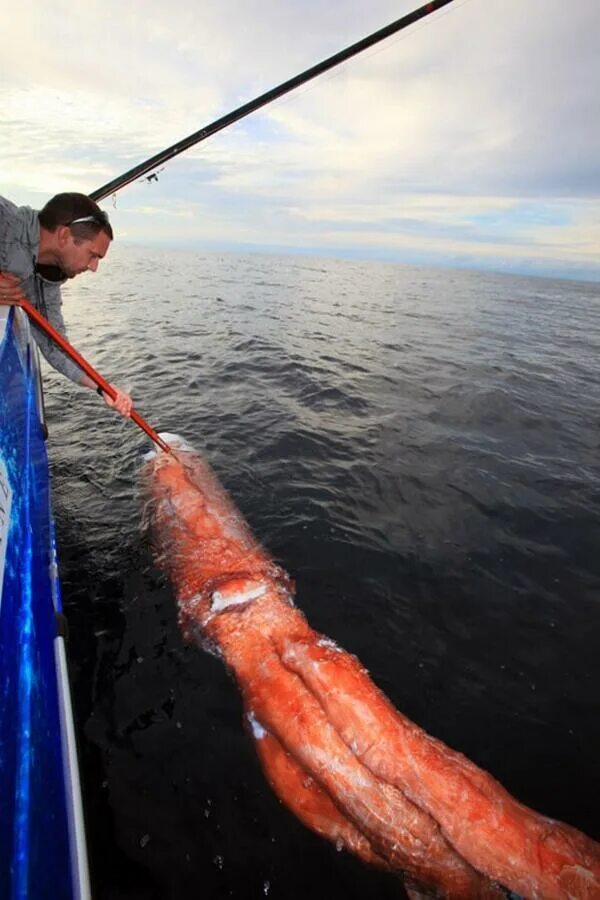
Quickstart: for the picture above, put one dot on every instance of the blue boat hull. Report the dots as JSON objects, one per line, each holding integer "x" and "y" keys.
{"x": 42, "y": 851}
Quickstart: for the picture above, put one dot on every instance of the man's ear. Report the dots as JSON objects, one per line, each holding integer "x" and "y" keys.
{"x": 63, "y": 233}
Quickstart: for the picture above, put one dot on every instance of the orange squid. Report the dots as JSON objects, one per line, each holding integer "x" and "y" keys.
{"x": 335, "y": 751}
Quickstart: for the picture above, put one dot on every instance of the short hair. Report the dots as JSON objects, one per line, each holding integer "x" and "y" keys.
{"x": 66, "y": 209}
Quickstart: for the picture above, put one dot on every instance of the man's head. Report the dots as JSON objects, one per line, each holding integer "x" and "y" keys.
{"x": 75, "y": 234}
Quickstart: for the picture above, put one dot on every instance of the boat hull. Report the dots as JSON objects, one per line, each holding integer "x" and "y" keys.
{"x": 42, "y": 851}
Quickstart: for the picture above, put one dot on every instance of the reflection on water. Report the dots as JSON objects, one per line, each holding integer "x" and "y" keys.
{"x": 419, "y": 450}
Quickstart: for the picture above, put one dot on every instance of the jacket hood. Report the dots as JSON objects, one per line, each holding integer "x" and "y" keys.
{"x": 20, "y": 243}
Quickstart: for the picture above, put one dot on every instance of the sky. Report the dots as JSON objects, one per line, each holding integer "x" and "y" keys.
{"x": 471, "y": 139}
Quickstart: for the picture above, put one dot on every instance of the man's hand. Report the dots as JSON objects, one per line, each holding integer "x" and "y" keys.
{"x": 10, "y": 290}
{"x": 122, "y": 402}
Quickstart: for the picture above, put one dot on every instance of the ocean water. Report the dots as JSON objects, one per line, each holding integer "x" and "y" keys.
{"x": 418, "y": 448}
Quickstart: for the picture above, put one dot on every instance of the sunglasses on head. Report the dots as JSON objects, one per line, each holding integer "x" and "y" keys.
{"x": 100, "y": 219}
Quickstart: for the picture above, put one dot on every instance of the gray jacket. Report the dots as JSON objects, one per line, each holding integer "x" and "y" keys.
{"x": 19, "y": 243}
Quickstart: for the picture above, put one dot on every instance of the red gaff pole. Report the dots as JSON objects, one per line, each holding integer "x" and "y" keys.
{"x": 89, "y": 370}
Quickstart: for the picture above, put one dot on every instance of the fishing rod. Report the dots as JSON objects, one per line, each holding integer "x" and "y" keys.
{"x": 96, "y": 377}
{"x": 284, "y": 88}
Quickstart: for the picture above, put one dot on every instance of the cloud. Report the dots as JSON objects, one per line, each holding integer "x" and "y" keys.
{"x": 473, "y": 135}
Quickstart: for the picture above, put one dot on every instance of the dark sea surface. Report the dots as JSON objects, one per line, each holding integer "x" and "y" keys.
{"x": 418, "y": 448}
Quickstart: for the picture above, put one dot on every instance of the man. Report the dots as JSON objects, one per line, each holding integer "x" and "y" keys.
{"x": 39, "y": 251}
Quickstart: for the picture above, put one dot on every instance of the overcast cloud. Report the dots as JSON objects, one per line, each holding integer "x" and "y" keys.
{"x": 473, "y": 138}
